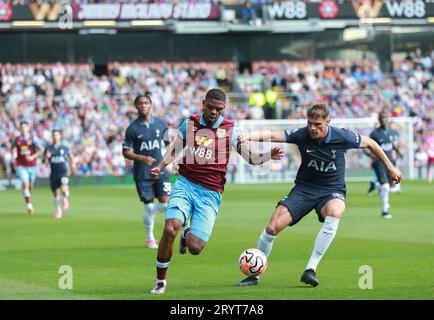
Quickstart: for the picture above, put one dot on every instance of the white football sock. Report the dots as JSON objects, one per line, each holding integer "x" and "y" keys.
{"x": 148, "y": 220}
{"x": 324, "y": 238}
{"x": 57, "y": 203}
{"x": 376, "y": 184}
{"x": 384, "y": 197}
{"x": 265, "y": 242}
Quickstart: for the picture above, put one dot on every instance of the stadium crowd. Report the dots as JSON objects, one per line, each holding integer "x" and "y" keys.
{"x": 93, "y": 111}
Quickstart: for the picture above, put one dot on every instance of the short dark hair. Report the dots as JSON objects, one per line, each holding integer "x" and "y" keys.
{"x": 56, "y": 130}
{"x": 147, "y": 95}
{"x": 318, "y": 110}
{"x": 24, "y": 122}
{"x": 217, "y": 94}
{"x": 383, "y": 113}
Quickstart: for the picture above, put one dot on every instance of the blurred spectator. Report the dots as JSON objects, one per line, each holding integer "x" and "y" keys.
{"x": 248, "y": 13}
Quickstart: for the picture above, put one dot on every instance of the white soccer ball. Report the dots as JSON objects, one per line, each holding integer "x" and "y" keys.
{"x": 253, "y": 262}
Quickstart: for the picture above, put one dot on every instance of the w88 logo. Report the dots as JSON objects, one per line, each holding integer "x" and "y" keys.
{"x": 201, "y": 152}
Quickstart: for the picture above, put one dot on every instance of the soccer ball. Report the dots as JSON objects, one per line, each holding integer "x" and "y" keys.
{"x": 253, "y": 262}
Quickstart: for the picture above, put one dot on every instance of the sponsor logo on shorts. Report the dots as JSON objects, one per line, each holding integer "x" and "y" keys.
{"x": 338, "y": 195}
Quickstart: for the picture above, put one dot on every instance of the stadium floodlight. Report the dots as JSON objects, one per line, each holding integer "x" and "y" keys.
{"x": 146, "y": 23}
{"x": 28, "y": 23}
{"x": 375, "y": 20}
{"x": 99, "y": 23}
{"x": 353, "y": 34}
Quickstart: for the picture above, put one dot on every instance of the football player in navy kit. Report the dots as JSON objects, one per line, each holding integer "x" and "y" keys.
{"x": 385, "y": 137}
{"x": 319, "y": 184}
{"x": 145, "y": 138}
{"x": 58, "y": 156}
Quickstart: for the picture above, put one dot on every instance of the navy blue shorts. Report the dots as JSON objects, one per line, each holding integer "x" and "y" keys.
{"x": 150, "y": 189}
{"x": 302, "y": 200}
{"x": 57, "y": 181}
{"x": 381, "y": 173}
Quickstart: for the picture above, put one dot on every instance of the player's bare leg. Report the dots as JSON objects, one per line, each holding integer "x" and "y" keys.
{"x": 195, "y": 245}
{"x": 57, "y": 205}
{"x": 165, "y": 251}
{"x": 280, "y": 219}
{"x": 183, "y": 238}
{"x": 332, "y": 212}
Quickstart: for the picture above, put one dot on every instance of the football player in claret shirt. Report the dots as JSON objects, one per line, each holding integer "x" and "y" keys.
{"x": 319, "y": 184}
{"x": 26, "y": 149}
{"x": 59, "y": 157}
{"x": 206, "y": 140}
{"x": 144, "y": 140}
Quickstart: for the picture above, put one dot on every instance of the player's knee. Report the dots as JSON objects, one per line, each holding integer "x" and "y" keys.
{"x": 171, "y": 229}
{"x": 195, "y": 245}
{"x": 272, "y": 229}
{"x": 334, "y": 211}
{"x": 334, "y": 214}
{"x": 195, "y": 249}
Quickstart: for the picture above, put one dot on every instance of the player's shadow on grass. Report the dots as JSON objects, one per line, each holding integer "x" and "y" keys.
{"x": 300, "y": 286}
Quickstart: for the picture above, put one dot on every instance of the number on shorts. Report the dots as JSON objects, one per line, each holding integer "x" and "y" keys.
{"x": 167, "y": 187}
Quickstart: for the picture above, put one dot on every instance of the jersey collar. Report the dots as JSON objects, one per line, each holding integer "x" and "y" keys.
{"x": 144, "y": 124}
{"x": 215, "y": 125}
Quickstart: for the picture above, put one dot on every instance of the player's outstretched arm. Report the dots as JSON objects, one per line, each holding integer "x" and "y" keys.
{"x": 131, "y": 155}
{"x": 14, "y": 155}
{"x": 172, "y": 152}
{"x": 263, "y": 135}
{"x": 71, "y": 164}
{"x": 376, "y": 150}
{"x": 256, "y": 158}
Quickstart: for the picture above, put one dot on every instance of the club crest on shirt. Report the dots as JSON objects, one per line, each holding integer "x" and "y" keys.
{"x": 334, "y": 153}
{"x": 221, "y": 133}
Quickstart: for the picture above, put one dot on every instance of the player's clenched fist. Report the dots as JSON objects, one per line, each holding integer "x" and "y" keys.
{"x": 155, "y": 172}
{"x": 395, "y": 174}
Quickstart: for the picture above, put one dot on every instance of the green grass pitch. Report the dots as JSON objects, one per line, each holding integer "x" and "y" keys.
{"x": 102, "y": 238}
